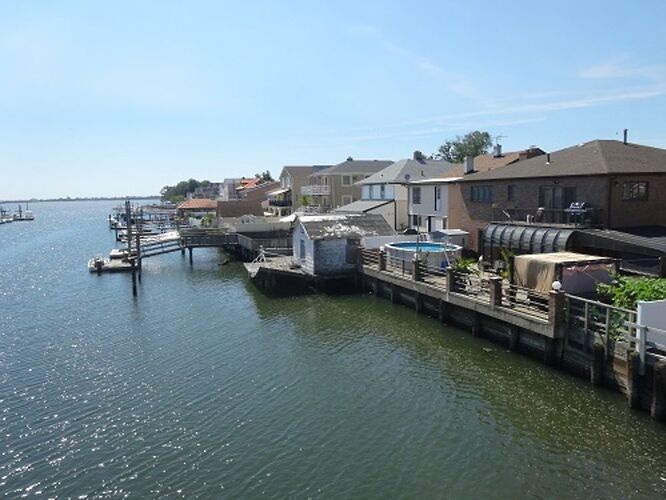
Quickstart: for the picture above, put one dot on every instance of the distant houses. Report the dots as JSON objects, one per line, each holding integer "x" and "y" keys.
{"x": 601, "y": 197}
{"x": 336, "y": 186}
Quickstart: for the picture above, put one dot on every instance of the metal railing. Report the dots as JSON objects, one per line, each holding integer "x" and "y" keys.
{"x": 524, "y": 299}
{"x": 587, "y": 217}
{"x": 589, "y": 321}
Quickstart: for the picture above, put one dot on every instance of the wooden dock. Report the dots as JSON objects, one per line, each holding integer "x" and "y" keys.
{"x": 588, "y": 338}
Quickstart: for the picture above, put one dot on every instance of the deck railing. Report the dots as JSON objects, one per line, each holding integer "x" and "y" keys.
{"x": 492, "y": 291}
{"x": 589, "y": 321}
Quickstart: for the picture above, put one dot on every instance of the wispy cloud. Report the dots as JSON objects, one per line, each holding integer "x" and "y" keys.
{"x": 453, "y": 81}
{"x": 518, "y": 108}
{"x": 622, "y": 67}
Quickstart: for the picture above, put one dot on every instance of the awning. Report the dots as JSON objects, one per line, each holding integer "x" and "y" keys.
{"x": 278, "y": 191}
{"x": 525, "y": 239}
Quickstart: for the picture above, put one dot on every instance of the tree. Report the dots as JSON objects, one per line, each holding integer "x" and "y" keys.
{"x": 471, "y": 144}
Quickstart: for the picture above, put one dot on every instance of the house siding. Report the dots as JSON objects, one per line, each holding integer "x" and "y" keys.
{"x": 632, "y": 213}
{"x": 331, "y": 257}
{"x": 474, "y": 216}
{"x": 307, "y": 263}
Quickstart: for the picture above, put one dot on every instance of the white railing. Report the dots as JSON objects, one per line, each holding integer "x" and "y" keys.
{"x": 316, "y": 190}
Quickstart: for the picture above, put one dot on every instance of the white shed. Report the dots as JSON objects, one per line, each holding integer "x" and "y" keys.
{"x": 326, "y": 244}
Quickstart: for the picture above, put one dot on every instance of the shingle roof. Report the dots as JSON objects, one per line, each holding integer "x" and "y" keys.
{"x": 303, "y": 170}
{"x": 362, "y": 206}
{"x": 599, "y": 157}
{"x": 355, "y": 167}
{"x": 198, "y": 204}
{"x": 328, "y": 227}
{"x": 239, "y": 208}
{"x": 416, "y": 169}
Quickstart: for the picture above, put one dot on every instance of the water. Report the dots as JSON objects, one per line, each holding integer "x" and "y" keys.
{"x": 204, "y": 387}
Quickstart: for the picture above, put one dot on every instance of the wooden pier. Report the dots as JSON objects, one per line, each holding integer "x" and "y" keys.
{"x": 588, "y": 338}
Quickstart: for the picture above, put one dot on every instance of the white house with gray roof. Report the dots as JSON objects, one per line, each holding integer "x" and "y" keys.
{"x": 385, "y": 192}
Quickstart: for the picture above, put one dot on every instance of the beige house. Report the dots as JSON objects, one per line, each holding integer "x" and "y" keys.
{"x": 286, "y": 199}
{"x": 336, "y": 186}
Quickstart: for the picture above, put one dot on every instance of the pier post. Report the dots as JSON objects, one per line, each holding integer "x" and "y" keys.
{"x": 394, "y": 294}
{"x": 190, "y": 249}
{"x": 418, "y": 302}
{"x": 556, "y": 312}
{"x": 495, "y": 291}
{"x": 382, "y": 260}
{"x": 450, "y": 280}
{"x": 476, "y": 325}
{"x": 375, "y": 287}
{"x": 416, "y": 269}
{"x": 597, "y": 369}
{"x": 658, "y": 408}
{"x": 514, "y": 338}
{"x": 442, "y": 310}
{"x": 633, "y": 379}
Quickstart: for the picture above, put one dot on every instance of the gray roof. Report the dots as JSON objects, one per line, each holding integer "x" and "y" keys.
{"x": 598, "y": 157}
{"x": 329, "y": 227}
{"x": 303, "y": 170}
{"x": 416, "y": 170}
{"x": 355, "y": 167}
{"x": 362, "y": 206}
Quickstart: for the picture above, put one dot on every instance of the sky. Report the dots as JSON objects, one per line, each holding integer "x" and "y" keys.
{"x": 121, "y": 98}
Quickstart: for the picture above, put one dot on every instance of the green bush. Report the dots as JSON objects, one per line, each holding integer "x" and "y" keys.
{"x": 626, "y": 291}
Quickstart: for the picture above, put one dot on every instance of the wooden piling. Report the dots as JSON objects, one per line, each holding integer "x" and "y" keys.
{"x": 633, "y": 379}
{"x": 442, "y": 311}
{"x": 191, "y": 261}
{"x": 597, "y": 367}
{"x": 514, "y": 338}
{"x": 418, "y": 302}
{"x": 476, "y": 325}
{"x": 658, "y": 408}
{"x": 394, "y": 294}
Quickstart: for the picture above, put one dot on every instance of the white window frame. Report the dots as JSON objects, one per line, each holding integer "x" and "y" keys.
{"x": 349, "y": 182}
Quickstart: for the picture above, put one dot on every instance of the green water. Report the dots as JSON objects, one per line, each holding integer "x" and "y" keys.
{"x": 204, "y": 387}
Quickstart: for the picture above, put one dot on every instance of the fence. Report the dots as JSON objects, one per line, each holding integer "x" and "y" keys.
{"x": 493, "y": 291}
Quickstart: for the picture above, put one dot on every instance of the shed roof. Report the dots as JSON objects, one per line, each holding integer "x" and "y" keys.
{"x": 328, "y": 227}
{"x": 362, "y": 206}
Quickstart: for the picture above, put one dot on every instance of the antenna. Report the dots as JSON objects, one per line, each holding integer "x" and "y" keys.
{"x": 499, "y": 137}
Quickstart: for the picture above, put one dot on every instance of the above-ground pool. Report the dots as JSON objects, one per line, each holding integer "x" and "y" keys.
{"x": 437, "y": 255}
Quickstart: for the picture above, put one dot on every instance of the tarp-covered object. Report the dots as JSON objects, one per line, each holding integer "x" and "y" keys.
{"x": 578, "y": 273}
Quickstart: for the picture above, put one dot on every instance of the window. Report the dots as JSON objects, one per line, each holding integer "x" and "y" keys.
{"x": 416, "y": 196}
{"x": 482, "y": 194}
{"x": 635, "y": 191}
{"x": 382, "y": 191}
{"x": 556, "y": 197}
{"x": 416, "y": 220}
{"x": 346, "y": 180}
{"x": 438, "y": 197}
{"x": 511, "y": 192}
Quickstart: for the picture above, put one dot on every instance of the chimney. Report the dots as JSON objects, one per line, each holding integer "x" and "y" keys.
{"x": 547, "y": 158}
{"x": 469, "y": 164}
{"x": 498, "y": 150}
{"x": 625, "y": 135}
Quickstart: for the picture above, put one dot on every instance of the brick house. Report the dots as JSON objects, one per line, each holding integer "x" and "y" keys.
{"x": 616, "y": 184}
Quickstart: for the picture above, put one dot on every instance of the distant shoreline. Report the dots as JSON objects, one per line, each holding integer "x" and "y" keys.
{"x": 101, "y": 198}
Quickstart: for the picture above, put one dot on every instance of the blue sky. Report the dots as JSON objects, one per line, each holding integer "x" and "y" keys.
{"x": 115, "y": 98}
